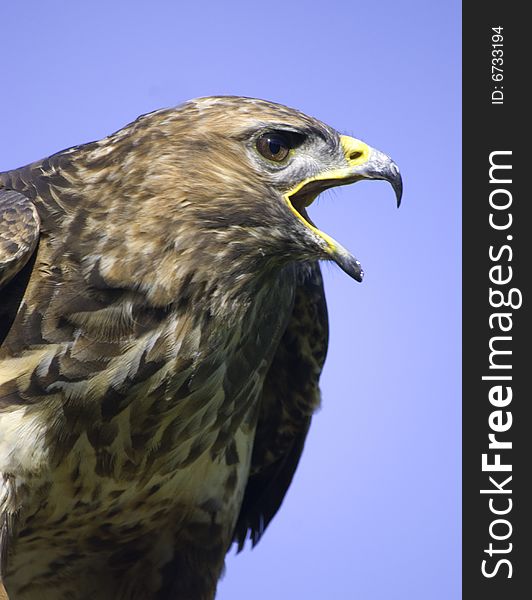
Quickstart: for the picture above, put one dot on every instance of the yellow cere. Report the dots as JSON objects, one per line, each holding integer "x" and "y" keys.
{"x": 356, "y": 153}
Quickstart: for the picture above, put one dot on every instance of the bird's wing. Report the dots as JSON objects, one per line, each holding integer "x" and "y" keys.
{"x": 19, "y": 236}
{"x": 290, "y": 396}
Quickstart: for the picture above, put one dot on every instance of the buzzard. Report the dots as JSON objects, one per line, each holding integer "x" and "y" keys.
{"x": 162, "y": 327}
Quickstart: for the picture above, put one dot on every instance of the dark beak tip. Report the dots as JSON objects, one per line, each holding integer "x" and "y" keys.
{"x": 397, "y": 184}
{"x": 398, "y": 194}
{"x": 351, "y": 266}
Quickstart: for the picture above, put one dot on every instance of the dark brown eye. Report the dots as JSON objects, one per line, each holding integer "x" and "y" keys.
{"x": 273, "y": 146}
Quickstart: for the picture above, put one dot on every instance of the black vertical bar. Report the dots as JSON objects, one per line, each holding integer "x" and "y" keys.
{"x": 497, "y": 259}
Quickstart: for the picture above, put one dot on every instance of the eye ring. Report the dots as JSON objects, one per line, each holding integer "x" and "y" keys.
{"x": 274, "y": 146}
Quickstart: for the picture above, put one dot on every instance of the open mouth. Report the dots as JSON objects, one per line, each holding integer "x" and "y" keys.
{"x": 302, "y": 196}
{"x": 360, "y": 162}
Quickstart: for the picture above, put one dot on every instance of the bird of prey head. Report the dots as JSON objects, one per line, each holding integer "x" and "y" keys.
{"x": 286, "y": 159}
{"x": 282, "y": 160}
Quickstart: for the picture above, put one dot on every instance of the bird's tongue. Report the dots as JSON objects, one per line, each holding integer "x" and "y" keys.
{"x": 341, "y": 256}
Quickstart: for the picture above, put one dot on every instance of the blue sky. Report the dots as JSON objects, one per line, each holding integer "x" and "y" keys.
{"x": 374, "y": 510}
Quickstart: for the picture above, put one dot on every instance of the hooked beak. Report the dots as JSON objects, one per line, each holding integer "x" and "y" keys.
{"x": 360, "y": 162}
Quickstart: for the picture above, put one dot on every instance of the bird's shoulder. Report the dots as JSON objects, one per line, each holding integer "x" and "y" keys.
{"x": 19, "y": 237}
{"x": 28, "y": 199}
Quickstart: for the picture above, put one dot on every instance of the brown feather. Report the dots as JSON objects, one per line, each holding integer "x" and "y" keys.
{"x": 161, "y": 354}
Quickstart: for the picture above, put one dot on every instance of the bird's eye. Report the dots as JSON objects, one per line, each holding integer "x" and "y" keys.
{"x": 273, "y": 146}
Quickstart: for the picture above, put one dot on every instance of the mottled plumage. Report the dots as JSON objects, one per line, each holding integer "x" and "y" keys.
{"x": 163, "y": 328}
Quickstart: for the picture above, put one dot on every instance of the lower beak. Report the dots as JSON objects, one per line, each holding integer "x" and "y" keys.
{"x": 360, "y": 162}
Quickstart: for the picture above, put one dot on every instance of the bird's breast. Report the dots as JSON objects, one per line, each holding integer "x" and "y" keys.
{"x": 159, "y": 439}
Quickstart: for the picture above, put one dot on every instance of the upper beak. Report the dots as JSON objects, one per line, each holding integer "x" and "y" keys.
{"x": 367, "y": 163}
